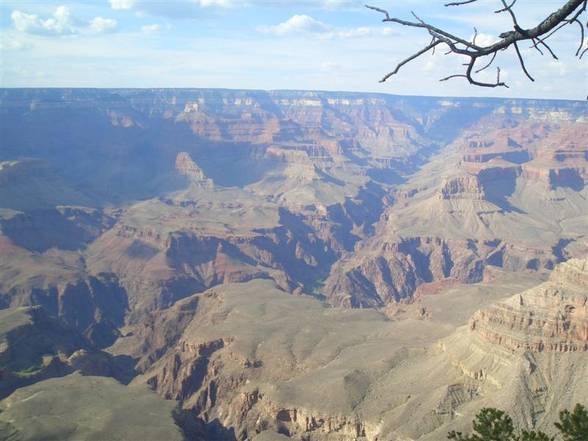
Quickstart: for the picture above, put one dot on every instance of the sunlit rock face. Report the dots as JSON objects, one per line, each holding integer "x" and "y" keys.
{"x": 502, "y": 187}
{"x": 552, "y": 317}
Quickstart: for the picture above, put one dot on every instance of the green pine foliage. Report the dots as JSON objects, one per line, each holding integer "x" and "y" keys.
{"x": 496, "y": 425}
{"x": 573, "y": 426}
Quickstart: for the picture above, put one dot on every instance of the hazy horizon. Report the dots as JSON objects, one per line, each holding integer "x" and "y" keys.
{"x": 334, "y": 91}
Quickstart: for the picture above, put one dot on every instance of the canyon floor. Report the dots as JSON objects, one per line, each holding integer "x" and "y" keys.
{"x": 245, "y": 265}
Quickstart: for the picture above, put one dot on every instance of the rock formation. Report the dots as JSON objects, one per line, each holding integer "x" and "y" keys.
{"x": 493, "y": 210}
{"x": 552, "y": 317}
{"x": 187, "y": 167}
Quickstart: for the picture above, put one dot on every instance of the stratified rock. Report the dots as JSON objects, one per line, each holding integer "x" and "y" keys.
{"x": 552, "y": 317}
{"x": 187, "y": 167}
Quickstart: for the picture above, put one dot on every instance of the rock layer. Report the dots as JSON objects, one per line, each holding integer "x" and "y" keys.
{"x": 552, "y": 317}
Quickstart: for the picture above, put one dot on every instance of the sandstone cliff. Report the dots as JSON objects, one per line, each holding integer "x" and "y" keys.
{"x": 477, "y": 204}
{"x": 550, "y": 318}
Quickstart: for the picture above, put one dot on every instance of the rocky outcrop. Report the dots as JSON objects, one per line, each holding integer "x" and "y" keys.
{"x": 554, "y": 176}
{"x": 219, "y": 379}
{"x": 157, "y": 269}
{"x": 529, "y": 351}
{"x": 399, "y": 268}
{"x": 35, "y": 346}
{"x": 62, "y": 227}
{"x": 186, "y": 166}
{"x": 552, "y": 317}
{"x": 462, "y": 186}
{"x": 294, "y": 422}
{"x": 238, "y": 120}
{"x": 546, "y": 153}
{"x": 94, "y": 306}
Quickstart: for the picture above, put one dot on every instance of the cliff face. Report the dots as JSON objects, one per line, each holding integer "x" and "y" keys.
{"x": 495, "y": 197}
{"x": 241, "y": 378}
{"x": 186, "y": 166}
{"x": 466, "y": 186}
{"x": 95, "y": 306}
{"x": 530, "y": 349}
{"x": 550, "y": 318}
{"x": 35, "y": 346}
{"x": 401, "y": 266}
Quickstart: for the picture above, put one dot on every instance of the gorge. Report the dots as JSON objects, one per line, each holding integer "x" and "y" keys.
{"x": 268, "y": 265}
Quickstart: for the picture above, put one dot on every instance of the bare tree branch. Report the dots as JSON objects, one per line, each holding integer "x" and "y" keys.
{"x": 489, "y": 63}
{"x": 534, "y": 45}
{"x": 506, "y": 8}
{"x": 463, "y": 2}
{"x": 468, "y": 76}
{"x": 538, "y": 41}
{"x": 412, "y": 57}
{"x": 516, "y": 46}
{"x": 567, "y": 14}
{"x": 581, "y": 36}
{"x": 383, "y": 11}
{"x": 512, "y": 15}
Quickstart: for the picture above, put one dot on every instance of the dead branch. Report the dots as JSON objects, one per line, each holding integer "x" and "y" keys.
{"x": 568, "y": 14}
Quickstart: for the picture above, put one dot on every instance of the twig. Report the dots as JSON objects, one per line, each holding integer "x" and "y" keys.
{"x": 463, "y": 2}
{"x": 516, "y": 46}
{"x": 412, "y": 57}
{"x": 506, "y": 8}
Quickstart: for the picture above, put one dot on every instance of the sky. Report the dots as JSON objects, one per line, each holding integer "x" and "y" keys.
{"x": 270, "y": 44}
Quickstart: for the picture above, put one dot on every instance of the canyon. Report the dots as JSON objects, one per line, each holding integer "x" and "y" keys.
{"x": 265, "y": 265}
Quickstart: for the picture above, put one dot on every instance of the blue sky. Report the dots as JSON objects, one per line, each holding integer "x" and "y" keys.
{"x": 266, "y": 44}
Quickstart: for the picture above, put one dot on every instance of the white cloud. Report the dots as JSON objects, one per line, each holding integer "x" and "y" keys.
{"x": 61, "y": 23}
{"x": 364, "y": 31}
{"x": 151, "y": 28}
{"x": 483, "y": 39}
{"x": 558, "y": 66}
{"x": 304, "y": 24}
{"x": 297, "y": 24}
{"x": 100, "y": 24}
{"x": 121, "y": 4}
